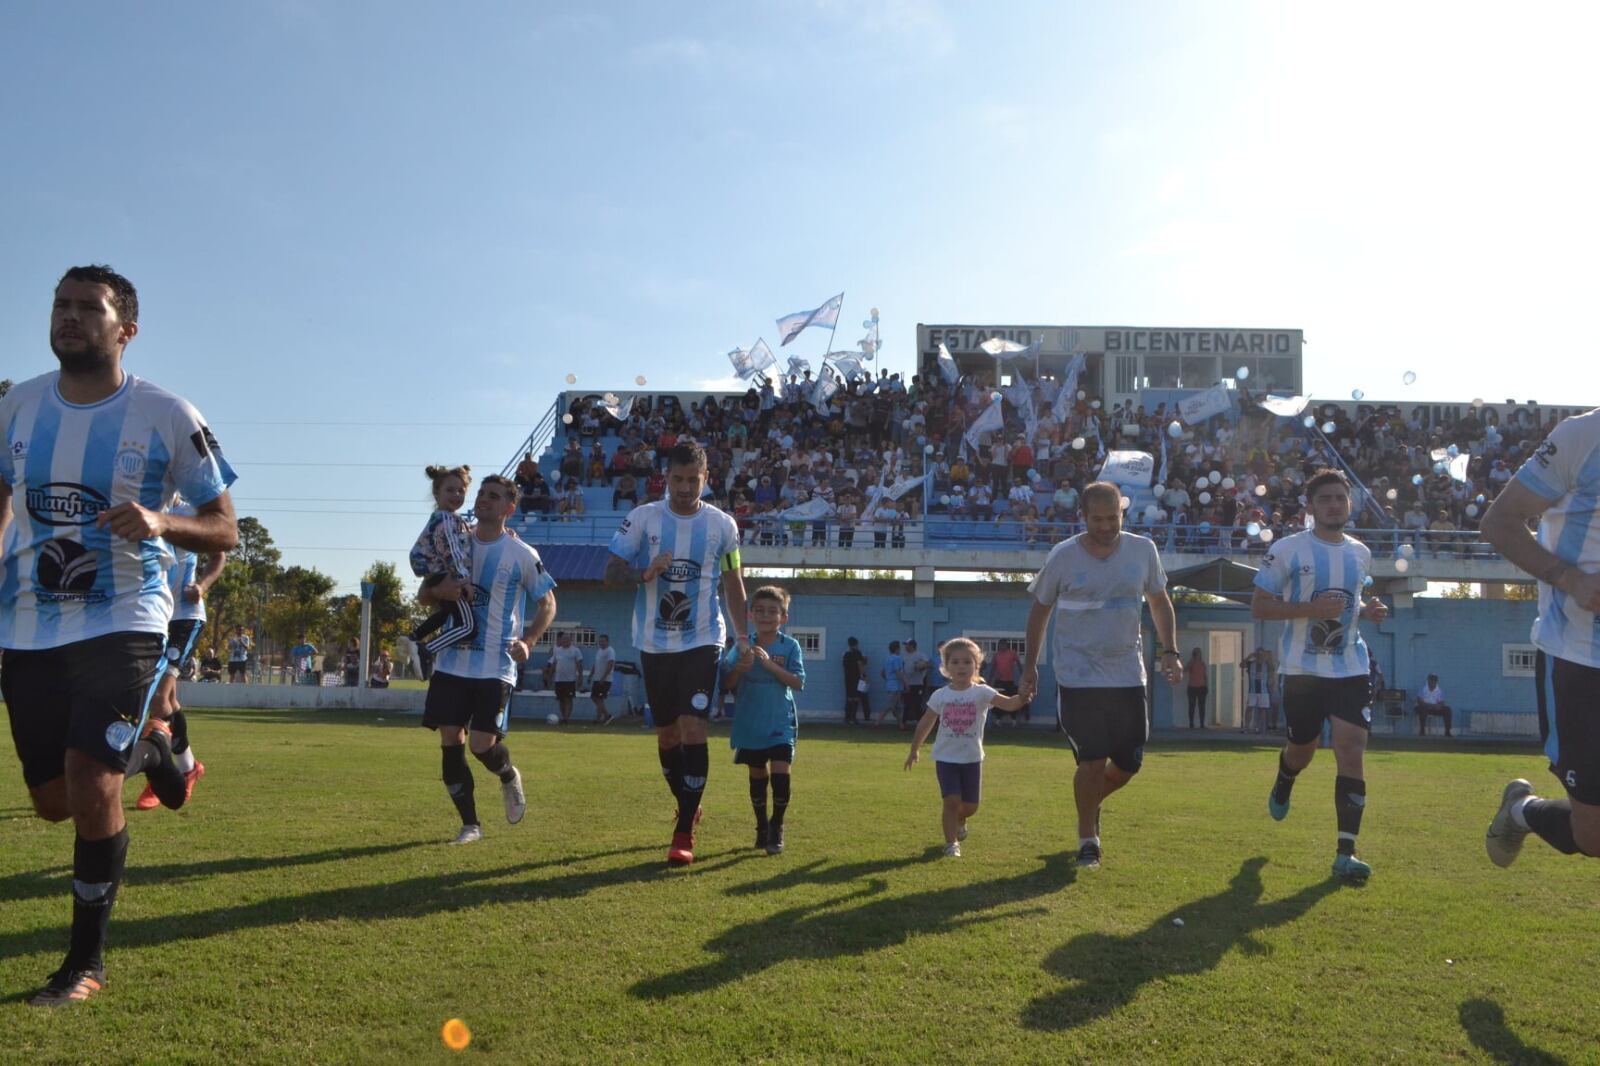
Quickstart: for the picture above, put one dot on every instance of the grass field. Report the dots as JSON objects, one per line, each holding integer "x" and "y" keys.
{"x": 305, "y": 909}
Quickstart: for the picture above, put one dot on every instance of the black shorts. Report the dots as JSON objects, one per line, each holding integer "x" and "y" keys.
{"x": 762, "y": 756}
{"x": 482, "y": 704}
{"x": 1572, "y": 733}
{"x": 91, "y": 696}
{"x": 182, "y": 636}
{"x": 565, "y": 689}
{"x": 599, "y": 690}
{"x": 680, "y": 683}
{"x": 1309, "y": 701}
{"x": 1106, "y": 723}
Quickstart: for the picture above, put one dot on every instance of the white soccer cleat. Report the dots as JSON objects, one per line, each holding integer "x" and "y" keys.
{"x": 953, "y": 850}
{"x": 1504, "y": 839}
{"x": 516, "y": 801}
{"x": 470, "y": 834}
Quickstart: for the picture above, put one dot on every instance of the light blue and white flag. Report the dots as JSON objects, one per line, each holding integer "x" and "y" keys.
{"x": 947, "y": 366}
{"x": 824, "y": 387}
{"x": 789, "y": 326}
{"x": 740, "y": 359}
{"x": 798, "y": 366}
{"x": 1161, "y": 475}
{"x": 903, "y": 485}
{"x": 1285, "y": 406}
{"x": 1128, "y": 469}
{"x": 761, "y": 357}
{"x": 1069, "y": 387}
{"x": 1206, "y": 404}
{"x": 991, "y": 419}
{"x": 1458, "y": 467}
{"x": 618, "y": 409}
{"x": 1021, "y": 397}
{"x": 811, "y": 510}
{"x": 848, "y": 365}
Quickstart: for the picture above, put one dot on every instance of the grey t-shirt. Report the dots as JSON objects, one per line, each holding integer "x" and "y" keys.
{"x": 917, "y": 669}
{"x": 1098, "y": 605}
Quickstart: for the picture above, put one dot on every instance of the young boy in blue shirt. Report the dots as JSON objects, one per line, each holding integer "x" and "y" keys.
{"x": 765, "y": 724}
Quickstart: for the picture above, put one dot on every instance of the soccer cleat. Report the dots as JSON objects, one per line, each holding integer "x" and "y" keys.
{"x": 66, "y": 987}
{"x": 166, "y": 780}
{"x": 470, "y": 834}
{"x": 191, "y": 777}
{"x": 953, "y": 849}
{"x": 681, "y": 853}
{"x": 1351, "y": 868}
{"x": 1504, "y": 839}
{"x": 147, "y": 800}
{"x": 516, "y": 801}
{"x": 1279, "y": 811}
{"x": 761, "y": 837}
{"x": 694, "y": 829}
{"x": 1089, "y": 856}
{"x": 775, "y": 840}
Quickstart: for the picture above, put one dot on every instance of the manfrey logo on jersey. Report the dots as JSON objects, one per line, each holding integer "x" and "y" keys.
{"x": 682, "y": 571}
{"x": 65, "y": 503}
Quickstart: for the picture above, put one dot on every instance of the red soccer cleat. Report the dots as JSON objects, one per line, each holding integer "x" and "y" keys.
{"x": 682, "y": 851}
{"x": 189, "y": 779}
{"x": 147, "y": 800}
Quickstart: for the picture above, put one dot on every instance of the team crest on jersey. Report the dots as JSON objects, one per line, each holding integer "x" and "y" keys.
{"x": 65, "y": 503}
{"x": 1546, "y": 452}
{"x": 66, "y": 571}
{"x": 19, "y": 450}
{"x": 130, "y": 460}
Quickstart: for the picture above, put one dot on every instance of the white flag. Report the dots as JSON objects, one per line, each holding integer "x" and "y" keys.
{"x": 789, "y": 326}
{"x": 991, "y": 419}
{"x": 1458, "y": 467}
{"x": 823, "y": 388}
{"x": 798, "y": 366}
{"x": 761, "y": 357}
{"x": 741, "y": 362}
{"x": 947, "y": 366}
{"x": 619, "y": 409}
{"x": 1128, "y": 469}
{"x": 903, "y": 485}
{"x": 848, "y": 366}
{"x": 1206, "y": 404}
{"x": 1001, "y": 348}
{"x": 812, "y": 509}
{"x": 1021, "y": 398}
{"x": 1069, "y": 387}
{"x": 1284, "y": 406}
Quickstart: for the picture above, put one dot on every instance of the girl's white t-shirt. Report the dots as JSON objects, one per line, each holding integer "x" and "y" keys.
{"x": 961, "y": 720}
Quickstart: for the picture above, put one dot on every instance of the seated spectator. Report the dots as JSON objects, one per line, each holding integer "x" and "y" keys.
{"x": 210, "y": 665}
{"x": 572, "y": 499}
{"x": 1430, "y": 702}
{"x": 598, "y": 473}
{"x": 655, "y": 487}
{"x": 627, "y": 488}
{"x": 572, "y": 460}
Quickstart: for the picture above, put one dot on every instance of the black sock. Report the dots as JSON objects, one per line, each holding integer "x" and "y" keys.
{"x": 696, "y": 764}
{"x": 1552, "y": 820}
{"x": 180, "y": 732}
{"x": 497, "y": 760}
{"x": 780, "y": 798}
{"x": 1285, "y": 783}
{"x": 672, "y": 769}
{"x": 152, "y": 756}
{"x": 758, "y": 800}
{"x": 1349, "y": 800}
{"x": 458, "y": 782}
{"x": 97, "y": 867}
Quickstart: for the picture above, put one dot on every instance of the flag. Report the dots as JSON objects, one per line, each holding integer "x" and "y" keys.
{"x": 947, "y": 366}
{"x": 1284, "y": 406}
{"x": 1199, "y": 406}
{"x": 903, "y": 485}
{"x": 999, "y": 347}
{"x": 1458, "y": 467}
{"x": 1021, "y": 398}
{"x": 789, "y": 326}
{"x": 1069, "y": 387}
{"x": 761, "y": 357}
{"x": 812, "y": 509}
{"x": 1128, "y": 469}
{"x": 848, "y": 365}
{"x": 823, "y": 388}
{"x": 991, "y": 419}
{"x": 618, "y": 409}
{"x": 798, "y": 366}
{"x": 1161, "y": 476}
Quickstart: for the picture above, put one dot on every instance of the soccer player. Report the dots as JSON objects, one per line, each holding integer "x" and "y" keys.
{"x": 469, "y": 692}
{"x": 681, "y": 552}
{"x": 764, "y": 677}
{"x": 93, "y": 456}
{"x": 1094, "y": 584}
{"x": 1314, "y": 581}
{"x": 189, "y": 581}
{"x": 1560, "y": 486}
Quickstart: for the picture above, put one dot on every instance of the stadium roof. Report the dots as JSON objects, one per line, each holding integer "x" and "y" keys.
{"x": 575, "y": 562}
{"x": 1218, "y": 577}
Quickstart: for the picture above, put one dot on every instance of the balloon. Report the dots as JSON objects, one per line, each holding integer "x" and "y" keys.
{"x": 1227, "y": 483}
{"x": 1175, "y": 429}
{"x": 1358, "y": 395}
{"x": 1078, "y": 443}
{"x": 1261, "y": 490}
{"x": 567, "y": 419}
{"x": 572, "y": 379}
{"x": 1214, "y": 477}
{"x": 1242, "y": 373}
{"x": 1416, "y": 479}
{"x": 1205, "y": 497}
{"x": 1254, "y": 529}
{"x": 1401, "y": 566}
{"x": 639, "y": 380}
{"x": 1267, "y": 535}
{"x": 1409, "y": 377}
{"x": 1328, "y": 427}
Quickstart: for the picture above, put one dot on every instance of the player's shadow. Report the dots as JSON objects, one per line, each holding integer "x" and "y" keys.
{"x": 53, "y": 881}
{"x": 829, "y": 929}
{"x": 818, "y": 872}
{"x": 1485, "y": 1024}
{"x": 412, "y": 898}
{"x": 1109, "y": 971}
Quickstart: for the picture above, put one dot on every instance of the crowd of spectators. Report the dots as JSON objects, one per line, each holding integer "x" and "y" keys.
{"x": 793, "y": 470}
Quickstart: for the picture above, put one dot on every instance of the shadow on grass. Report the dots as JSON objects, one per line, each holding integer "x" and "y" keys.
{"x": 1110, "y": 970}
{"x": 1485, "y": 1024}
{"x": 819, "y": 931}
{"x": 414, "y": 898}
{"x": 820, "y": 873}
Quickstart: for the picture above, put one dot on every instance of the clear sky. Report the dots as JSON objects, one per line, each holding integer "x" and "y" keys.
{"x": 368, "y": 236}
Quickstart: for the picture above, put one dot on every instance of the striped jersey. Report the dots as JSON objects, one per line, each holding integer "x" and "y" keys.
{"x": 180, "y": 575}
{"x": 508, "y": 581}
{"x": 63, "y": 578}
{"x": 681, "y": 608}
{"x": 1298, "y": 569}
{"x": 1565, "y": 470}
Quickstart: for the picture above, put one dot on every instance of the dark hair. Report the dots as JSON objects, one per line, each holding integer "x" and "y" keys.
{"x": 773, "y": 593}
{"x": 852, "y": 642}
{"x": 505, "y": 483}
{"x": 1096, "y": 490}
{"x": 124, "y": 297}
{"x": 894, "y": 645}
{"x": 1326, "y": 476}
{"x": 686, "y": 453}
{"x": 437, "y": 474}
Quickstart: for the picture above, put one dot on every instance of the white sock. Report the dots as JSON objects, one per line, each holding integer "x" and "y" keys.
{"x": 184, "y": 760}
{"x": 1516, "y": 812}
{"x": 1088, "y": 840}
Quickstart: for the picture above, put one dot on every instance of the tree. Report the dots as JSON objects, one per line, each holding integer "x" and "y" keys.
{"x": 1522, "y": 592}
{"x": 5, "y": 386}
{"x": 299, "y": 605}
{"x": 1461, "y": 590}
{"x": 240, "y": 594}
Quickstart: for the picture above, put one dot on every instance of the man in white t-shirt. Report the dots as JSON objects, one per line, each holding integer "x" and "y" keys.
{"x": 1430, "y": 701}
{"x": 605, "y": 664}
{"x": 566, "y": 669}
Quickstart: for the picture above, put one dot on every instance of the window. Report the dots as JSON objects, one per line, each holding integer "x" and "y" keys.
{"x": 1516, "y": 660}
{"x": 582, "y": 636}
{"x": 989, "y": 640}
{"x": 1127, "y": 374}
{"x": 813, "y": 640}
{"x": 1198, "y": 371}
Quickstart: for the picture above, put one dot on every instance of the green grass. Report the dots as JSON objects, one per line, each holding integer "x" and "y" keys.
{"x": 304, "y": 909}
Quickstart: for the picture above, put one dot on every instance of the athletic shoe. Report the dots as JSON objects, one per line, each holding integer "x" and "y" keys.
{"x": 166, "y": 780}
{"x": 681, "y": 853}
{"x": 953, "y": 849}
{"x": 1279, "y": 811}
{"x": 147, "y": 800}
{"x": 191, "y": 777}
{"x": 775, "y": 840}
{"x": 1089, "y": 856}
{"x": 66, "y": 987}
{"x": 470, "y": 834}
{"x": 511, "y": 792}
{"x": 961, "y": 834}
{"x": 1351, "y": 868}
{"x": 761, "y": 838}
{"x": 1504, "y": 838}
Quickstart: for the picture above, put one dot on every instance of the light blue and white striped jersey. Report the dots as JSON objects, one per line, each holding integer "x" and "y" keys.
{"x": 1298, "y": 569}
{"x": 1566, "y": 470}
{"x": 508, "y": 581}
{"x": 681, "y": 608}
{"x": 62, "y": 577}
{"x": 180, "y": 574}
